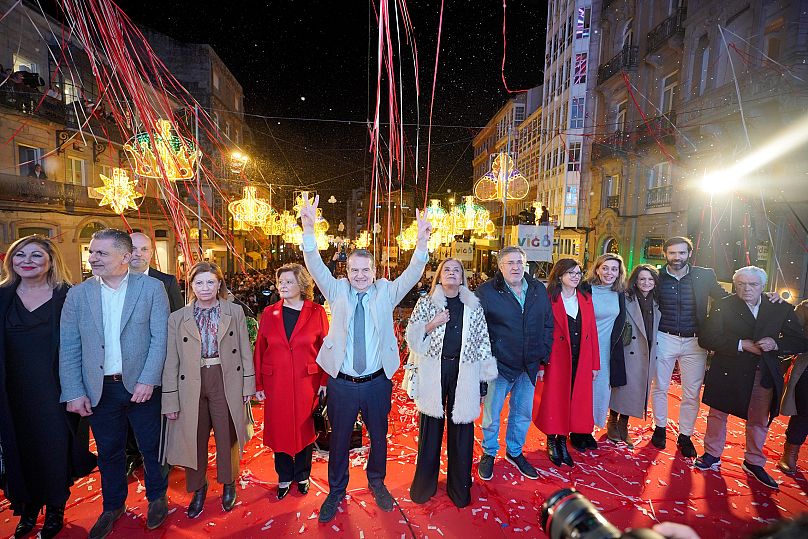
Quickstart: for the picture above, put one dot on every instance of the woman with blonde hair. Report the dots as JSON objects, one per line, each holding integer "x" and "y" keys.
{"x": 288, "y": 377}
{"x": 607, "y": 279}
{"x": 451, "y": 352}
{"x": 44, "y": 447}
{"x": 208, "y": 380}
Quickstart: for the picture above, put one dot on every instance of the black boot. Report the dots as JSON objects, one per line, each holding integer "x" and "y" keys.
{"x": 578, "y": 442}
{"x": 552, "y": 449}
{"x": 198, "y": 502}
{"x": 54, "y": 521}
{"x": 562, "y": 449}
{"x": 27, "y": 520}
{"x": 229, "y": 496}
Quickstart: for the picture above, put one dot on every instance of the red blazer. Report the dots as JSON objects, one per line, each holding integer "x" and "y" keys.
{"x": 286, "y": 370}
{"x": 553, "y": 408}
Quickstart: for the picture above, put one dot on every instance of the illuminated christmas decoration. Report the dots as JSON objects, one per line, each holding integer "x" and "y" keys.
{"x": 468, "y": 216}
{"x": 408, "y": 237}
{"x": 363, "y": 241}
{"x": 503, "y": 174}
{"x": 162, "y": 154}
{"x": 250, "y": 210}
{"x": 118, "y": 192}
{"x": 435, "y": 213}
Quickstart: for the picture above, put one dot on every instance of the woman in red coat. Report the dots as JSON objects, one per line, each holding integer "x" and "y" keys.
{"x": 288, "y": 377}
{"x": 563, "y": 400}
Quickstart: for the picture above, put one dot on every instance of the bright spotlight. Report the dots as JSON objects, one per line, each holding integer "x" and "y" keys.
{"x": 720, "y": 182}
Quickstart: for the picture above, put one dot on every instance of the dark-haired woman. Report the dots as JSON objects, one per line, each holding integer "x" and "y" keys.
{"x": 44, "y": 447}
{"x": 639, "y": 347}
{"x": 564, "y": 390}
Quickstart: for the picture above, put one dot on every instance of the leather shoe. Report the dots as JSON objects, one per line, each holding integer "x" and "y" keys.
{"x": 54, "y": 521}
{"x": 553, "y": 449}
{"x": 282, "y": 491}
{"x": 197, "y": 502}
{"x": 566, "y": 458}
{"x": 27, "y": 521}
{"x": 229, "y": 496}
{"x": 303, "y": 486}
{"x": 591, "y": 443}
{"x": 383, "y": 497}
{"x": 658, "y": 439}
{"x": 686, "y": 447}
{"x": 329, "y": 508}
{"x": 578, "y": 442}
{"x": 157, "y": 512}
{"x": 103, "y": 526}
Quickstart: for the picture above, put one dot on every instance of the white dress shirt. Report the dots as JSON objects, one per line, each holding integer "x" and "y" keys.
{"x": 755, "y": 309}
{"x": 111, "y": 309}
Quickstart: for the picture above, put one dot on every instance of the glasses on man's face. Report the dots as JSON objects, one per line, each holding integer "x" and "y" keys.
{"x": 514, "y": 263}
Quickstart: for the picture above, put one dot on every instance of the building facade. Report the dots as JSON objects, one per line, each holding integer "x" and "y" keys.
{"x": 49, "y": 117}
{"x": 686, "y": 90}
{"x": 569, "y": 75}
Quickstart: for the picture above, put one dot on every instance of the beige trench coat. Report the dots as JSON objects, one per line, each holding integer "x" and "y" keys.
{"x": 182, "y": 380}
{"x": 632, "y": 398}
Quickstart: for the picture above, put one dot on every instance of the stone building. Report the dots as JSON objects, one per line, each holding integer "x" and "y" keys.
{"x": 45, "y": 120}
{"x": 686, "y": 90}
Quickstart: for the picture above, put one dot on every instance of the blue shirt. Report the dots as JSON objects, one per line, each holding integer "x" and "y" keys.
{"x": 519, "y": 297}
{"x": 372, "y": 341}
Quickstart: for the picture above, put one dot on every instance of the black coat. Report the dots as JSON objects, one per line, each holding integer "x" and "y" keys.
{"x": 520, "y": 342}
{"x": 617, "y": 358}
{"x": 81, "y": 460}
{"x": 175, "y": 301}
{"x": 728, "y": 383}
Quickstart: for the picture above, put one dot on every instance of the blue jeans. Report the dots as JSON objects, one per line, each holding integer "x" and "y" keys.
{"x": 110, "y": 420}
{"x": 519, "y": 416}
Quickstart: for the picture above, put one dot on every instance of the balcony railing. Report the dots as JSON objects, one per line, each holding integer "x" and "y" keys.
{"x": 54, "y": 193}
{"x": 666, "y": 29}
{"x": 614, "y": 145}
{"x": 661, "y": 128}
{"x": 613, "y": 202}
{"x": 625, "y": 59}
{"x": 659, "y": 197}
{"x": 25, "y": 101}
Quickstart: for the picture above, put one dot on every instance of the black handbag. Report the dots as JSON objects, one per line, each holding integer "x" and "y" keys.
{"x": 322, "y": 426}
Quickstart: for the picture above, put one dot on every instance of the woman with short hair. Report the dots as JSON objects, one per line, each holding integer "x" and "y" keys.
{"x": 208, "y": 379}
{"x": 288, "y": 377}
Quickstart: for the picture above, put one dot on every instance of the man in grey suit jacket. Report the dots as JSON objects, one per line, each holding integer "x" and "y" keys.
{"x": 360, "y": 354}
{"x": 112, "y": 349}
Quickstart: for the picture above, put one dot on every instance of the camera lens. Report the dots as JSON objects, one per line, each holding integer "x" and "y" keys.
{"x": 568, "y": 514}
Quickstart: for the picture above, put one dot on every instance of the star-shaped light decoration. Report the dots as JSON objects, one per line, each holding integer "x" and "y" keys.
{"x": 118, "y": 192}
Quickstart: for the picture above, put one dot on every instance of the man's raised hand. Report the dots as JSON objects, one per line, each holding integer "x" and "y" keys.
{"x": 308, "y": 213}
{"x": 424, "y": 229}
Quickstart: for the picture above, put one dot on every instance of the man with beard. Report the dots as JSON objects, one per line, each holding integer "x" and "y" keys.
{"x": 683, "y": 295}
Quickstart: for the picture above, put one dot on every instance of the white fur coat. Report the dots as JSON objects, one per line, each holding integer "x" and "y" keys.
{"x": 476, "y": 362}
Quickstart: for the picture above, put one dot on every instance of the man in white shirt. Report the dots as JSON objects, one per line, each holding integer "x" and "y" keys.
{"x": 112, "y": 349}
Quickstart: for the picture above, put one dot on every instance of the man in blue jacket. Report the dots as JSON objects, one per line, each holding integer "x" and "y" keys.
{"x": 520, "y": 325}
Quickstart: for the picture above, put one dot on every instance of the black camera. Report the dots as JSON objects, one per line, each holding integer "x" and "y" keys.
{"x": 568, "y": 514}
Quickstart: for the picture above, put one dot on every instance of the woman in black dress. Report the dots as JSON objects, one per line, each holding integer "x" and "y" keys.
{"x": 44, "y": 446}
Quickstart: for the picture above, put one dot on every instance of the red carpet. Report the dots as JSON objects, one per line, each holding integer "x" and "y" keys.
{"x": 631, "y": 488}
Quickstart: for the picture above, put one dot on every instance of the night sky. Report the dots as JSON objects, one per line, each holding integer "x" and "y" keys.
{"x": 310, "y": 59}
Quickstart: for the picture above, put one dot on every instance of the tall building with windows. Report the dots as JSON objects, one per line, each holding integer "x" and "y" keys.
{"x": 686, "y": 90}
{"x": 567, "y": 105}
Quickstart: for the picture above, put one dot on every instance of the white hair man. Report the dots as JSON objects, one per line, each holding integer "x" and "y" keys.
{"x": 748, "y": 333}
